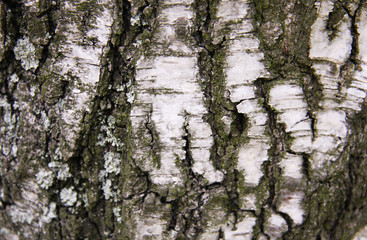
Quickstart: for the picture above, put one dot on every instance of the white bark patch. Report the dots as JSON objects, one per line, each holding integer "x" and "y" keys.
{"x": 171, "y": 16}
{"x": 241, "y": 92}
{"x": 232, "y": 10}
{"x": 150, "y": 228}
{"x": 361, "y": 234}
{"x": 287, "y": 96}
{"x": 243, "y": 230}
{"x": 275, "y": 226}
{"x": 151, "y": 225}
{"x": 362, "y": 29}
{"x": 360, "y": 77}
{"x": 291, "y": 203}
{"x": 321, "y": 48}
{"x": 168, "y": 94}
{"x": 19, "y": 215}
{"x": 27, "y": 211}
{"x": 288, "y": 100}
{"x": 244, "y": 66}
{"x": 82, "y": 63}
{"x": 292, "y": 166}
{"x": 250, "y": 159}
{"x": 331, "y": 122}
{"x": 200, "y": 149}
{"x": 8, "y": 234}
{"x": 248, "y": 202}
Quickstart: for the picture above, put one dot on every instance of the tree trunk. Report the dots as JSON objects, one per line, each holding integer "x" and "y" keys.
{"x": 183, "y": 119}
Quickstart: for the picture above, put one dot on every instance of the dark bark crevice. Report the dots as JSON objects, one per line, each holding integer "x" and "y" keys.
{"x": 187, "y": 221}
{"x": 226, "y": 144}
{"x": 271, "y": 168}
{"x": 154, "y": 144}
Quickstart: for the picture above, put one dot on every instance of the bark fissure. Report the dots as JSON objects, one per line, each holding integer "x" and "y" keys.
{"x": 226, "y": 144}
{"x": 271, "y": 168}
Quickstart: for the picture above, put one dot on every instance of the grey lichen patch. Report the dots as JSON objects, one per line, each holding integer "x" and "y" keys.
{"x": 45, "y": 178}
{"x": 68, "y": 196}
{"x": 112, "y": 168}
{"x": 107, "y": 136}
{"x": 112, "y": 162}
{"x": 25, "y": 51}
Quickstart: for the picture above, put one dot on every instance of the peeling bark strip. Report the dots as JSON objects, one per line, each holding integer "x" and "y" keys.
{"x": 183, "y": 119}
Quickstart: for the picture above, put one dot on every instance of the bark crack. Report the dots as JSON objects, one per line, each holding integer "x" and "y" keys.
{"x": 271, "y": 168}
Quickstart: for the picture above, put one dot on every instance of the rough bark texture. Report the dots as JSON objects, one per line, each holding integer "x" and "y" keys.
{"x": 183, "y": 119}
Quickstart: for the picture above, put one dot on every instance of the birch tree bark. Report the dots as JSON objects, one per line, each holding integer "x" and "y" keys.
{"x": 183, "y": 119}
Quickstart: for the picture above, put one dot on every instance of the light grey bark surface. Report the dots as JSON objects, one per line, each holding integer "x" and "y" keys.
{"x": 183, "y": 119}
